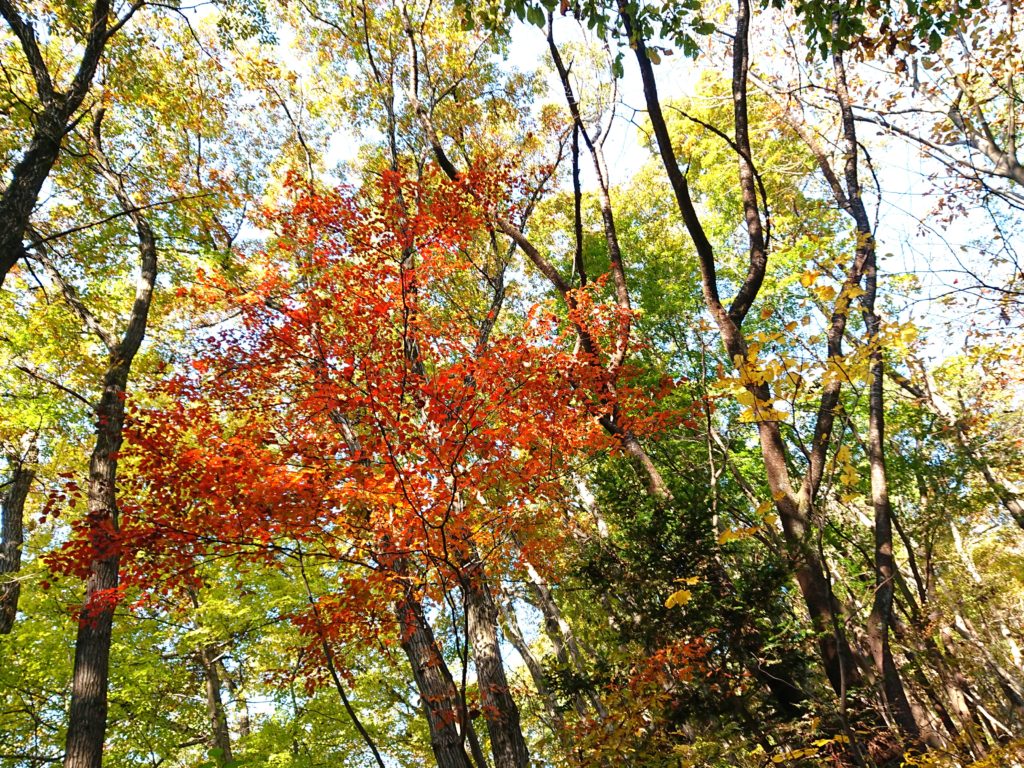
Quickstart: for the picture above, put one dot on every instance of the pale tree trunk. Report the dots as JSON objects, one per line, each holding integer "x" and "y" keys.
{"x": 510, "y": 623}
{"x": 240, "y": 702}
{"x": 215, "y": 712}
{"x": 12, "y": 537}
{"x": 209, "y": 661}
{"x": 562, "y": 637}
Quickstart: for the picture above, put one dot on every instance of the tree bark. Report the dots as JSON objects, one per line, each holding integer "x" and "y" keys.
{"x": 611, "y": 423}
{"x": 884, "y": 564}
{"x": 508, "y": 747}
{"x": 881, "y": 611}
{"x": 220, "y": 733}
{"x": 510, "y": 623}
{"x": 52, "y": 121}
{"x": 12, "y": 537}
{"x": 87, "y": 720}
{"x": 240, "y": 702}
{"x": 794, "y": 507}
{"x": 434, "y": 682}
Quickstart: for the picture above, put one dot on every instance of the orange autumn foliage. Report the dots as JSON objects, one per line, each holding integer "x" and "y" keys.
{"x": 351, "y": 404}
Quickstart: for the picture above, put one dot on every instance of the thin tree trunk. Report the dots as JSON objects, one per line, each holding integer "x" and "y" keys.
{"x": 209, "y": 660}
{"x": 12, "y": 537}
{"x": 240, "y": 702}
{"x": 884, "y": 564}
{"x": 794, "y": 507}
{"x": 510, "y": 623}
{"x": 881, "y": 611}
{"x": 561, "y": 635}
{"x": 87, "y": 720}
{"x": 215, "y": 704}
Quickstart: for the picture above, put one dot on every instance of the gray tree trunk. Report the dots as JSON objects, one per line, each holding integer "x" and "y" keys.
{"x": 12, "y": 537}
{"x": 434, "y": 683}
{"x": 508, "y": 746}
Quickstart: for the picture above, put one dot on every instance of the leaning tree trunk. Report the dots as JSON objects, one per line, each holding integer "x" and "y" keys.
{"x": 19, "y": 199}
{"x": 510, "y": 623}
{"x": 794, "y": 505}
{"x": 507, "y": 743}
{"x": 434, "y": 682}
{"x": 12, "y": 537}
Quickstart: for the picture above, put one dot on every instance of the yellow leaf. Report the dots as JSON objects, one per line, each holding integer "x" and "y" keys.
{"x": 807, "y": 278}
{"x": 682, "y": 597}
{"x": 737, "y": 535}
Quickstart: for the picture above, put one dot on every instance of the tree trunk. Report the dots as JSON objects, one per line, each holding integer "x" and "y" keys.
{"x": 50, "y": 123}
{"x": 508, "y": 746}
{"x": 793, "y": 508}
{"x": 240, "y": 702}
{"x": 12, "y": 537}
{"x": 19, "y": 199}
{"x": 510, "y": 623}
{"x": 221, "y": 735}
{"x": 884, "y": 564}
{"x": 881, "y": 610}
{"x": 88, "y": 716}
{"x": 435, "y": 684}
{"x": 562, "y": 638}
{"x": 87, "y": 720}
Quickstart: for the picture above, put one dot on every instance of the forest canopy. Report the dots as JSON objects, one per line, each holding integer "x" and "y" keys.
{"x": 507, "y": 383}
